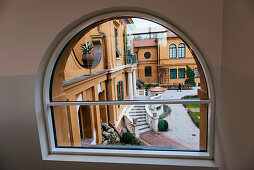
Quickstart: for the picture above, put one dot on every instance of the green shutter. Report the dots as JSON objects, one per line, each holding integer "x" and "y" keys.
{"x": 118, "y": 91}
{"x": 122, "y": 90}
{"x": 173, "y": 73}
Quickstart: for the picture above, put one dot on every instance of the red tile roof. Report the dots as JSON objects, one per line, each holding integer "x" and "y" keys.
{"x": 157, "y": 89}
{"x": 171, "y": 34}
{"x": 145, "y": 43}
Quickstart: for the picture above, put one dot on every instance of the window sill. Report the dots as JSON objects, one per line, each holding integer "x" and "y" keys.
{"x": 118, "y": 58}
{"x": 209, "y": 164}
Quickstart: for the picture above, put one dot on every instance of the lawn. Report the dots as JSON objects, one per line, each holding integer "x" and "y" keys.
{"x": 197, "y": 115}
{"x": 193, "y": 105}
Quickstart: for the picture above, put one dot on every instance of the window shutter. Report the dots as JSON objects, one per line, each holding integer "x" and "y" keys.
{"x": 122, "y": 90}
{"x": 118, "y": 91}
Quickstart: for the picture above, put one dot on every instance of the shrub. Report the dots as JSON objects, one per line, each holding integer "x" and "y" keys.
{"x": 190, "y": 76}
{"x": 127, "y": 138}
{"x": 163, "y": 125}
{"x": 140, "y": 84}
{"x": 166, "y": 112}
{"x": 190, "y": 97}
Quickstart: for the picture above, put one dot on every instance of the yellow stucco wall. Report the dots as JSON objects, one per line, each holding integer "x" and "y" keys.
{"x": 160, "y": 59}
{"x": 143, "y": 62}
{"x": 68, "y": 68}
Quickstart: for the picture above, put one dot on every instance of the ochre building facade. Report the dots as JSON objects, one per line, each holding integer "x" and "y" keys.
{"x": 163, "y": 61}
{"x": 112, "y": 77}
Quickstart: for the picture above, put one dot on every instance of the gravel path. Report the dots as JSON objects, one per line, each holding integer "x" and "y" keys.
{"x": 181, "y": 127}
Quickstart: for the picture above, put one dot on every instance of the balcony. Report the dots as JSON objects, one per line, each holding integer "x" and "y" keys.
{"x": 131, "y": 59}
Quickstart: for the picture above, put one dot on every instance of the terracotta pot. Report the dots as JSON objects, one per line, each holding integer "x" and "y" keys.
{"x": 88, "y": 60}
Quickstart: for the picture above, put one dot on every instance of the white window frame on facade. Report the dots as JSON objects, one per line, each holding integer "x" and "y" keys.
{"x": 172, "y": 51}
{"x": 181, "y": 51}
{"x": 43, "y": 102}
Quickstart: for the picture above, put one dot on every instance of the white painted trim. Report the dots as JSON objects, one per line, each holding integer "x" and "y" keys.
{"x": 133, "y": 160}
{"x": 121, "y": 116}
{"x": 122, "y": 152}
{"x": 117, "y": 69}
{"x": 132, "y": 102}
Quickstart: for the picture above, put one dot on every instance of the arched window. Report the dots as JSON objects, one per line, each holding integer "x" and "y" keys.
{"x": 148, "y": 71}
{"x": 83, "y": 89}
{"x": 181, "y": 51}
{"x": 172, "y": 51}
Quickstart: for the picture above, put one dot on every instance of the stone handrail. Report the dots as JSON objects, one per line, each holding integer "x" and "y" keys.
{"x": 141, "y": 92}
{"x": 130, "y": 123}
{"x": 151, "y": 118}
{"x": 152, "y": 113}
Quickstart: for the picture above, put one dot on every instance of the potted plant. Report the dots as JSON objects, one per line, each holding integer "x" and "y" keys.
{"x": 87, "y": 57}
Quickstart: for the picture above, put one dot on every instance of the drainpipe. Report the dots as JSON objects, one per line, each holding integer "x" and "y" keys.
{"x": 137, "y": 62}
{"x": 158, "y": 59}
{"x": 106, "y": 58}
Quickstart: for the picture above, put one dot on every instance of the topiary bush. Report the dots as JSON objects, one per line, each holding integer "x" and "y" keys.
{"x": 127, "y": 138}
{"x": 163, "y": 125}
{"x": 190, "y": 76}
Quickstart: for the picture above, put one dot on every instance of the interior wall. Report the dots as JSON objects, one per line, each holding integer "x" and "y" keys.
{"x": 28, "y": 27}
{"x": 234, "y": 123}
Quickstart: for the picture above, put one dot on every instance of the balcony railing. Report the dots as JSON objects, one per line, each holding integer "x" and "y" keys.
{"x": 131, "y": 59}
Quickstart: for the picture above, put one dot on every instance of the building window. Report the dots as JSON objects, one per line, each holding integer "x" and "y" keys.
{"x": 181, "y": 73}
{"x": 118, "y": 54}
{"x": 148, "y": 71}
{"x": 147, "y": 55}
{"x": 172, "y": 51}
{"x": 196, "y": 73}
{"x": 181, "y": 51}
{"x": 173, "y": 73}
{"x": 120, "y": 91}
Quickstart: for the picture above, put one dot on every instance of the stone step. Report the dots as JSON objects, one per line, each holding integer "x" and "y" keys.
{"x": 137, "y": 106}
{"x": 145, "y": 126}
{"x": 138, "y": 117}
{"x": 144, "y": 130}
{"x": 137, "y": 114}
{"x": 141, "y": 123}
{"x": 142, "y": 120}
{"x": 137, "y": 111}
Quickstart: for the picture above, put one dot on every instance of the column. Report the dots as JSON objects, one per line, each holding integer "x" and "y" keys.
{"x": 130, "y": 85}
{"x": 134, "y": 82}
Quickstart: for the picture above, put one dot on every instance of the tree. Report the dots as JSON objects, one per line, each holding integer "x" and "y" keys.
{"x": 190, "y": 76}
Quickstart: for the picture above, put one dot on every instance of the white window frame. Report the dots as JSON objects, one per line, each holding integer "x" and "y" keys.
{"x": 43, "y": 104}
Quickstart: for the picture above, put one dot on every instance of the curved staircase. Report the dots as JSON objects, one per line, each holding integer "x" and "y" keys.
{"x": 139, "y": 112}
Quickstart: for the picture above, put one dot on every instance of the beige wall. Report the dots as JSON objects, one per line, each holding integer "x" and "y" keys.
{"x": 143, "y": 62}
{"x": 214, "y": 26}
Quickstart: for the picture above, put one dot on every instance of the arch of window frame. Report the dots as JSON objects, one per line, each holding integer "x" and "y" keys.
{"x": 181, "y": 51}
{"x": 172, "y": 51}
{"x": 56, "y": 49}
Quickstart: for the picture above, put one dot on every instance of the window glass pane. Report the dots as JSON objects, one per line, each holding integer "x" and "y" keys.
{"x": 172, "y": 51}
{"x": 148, "y": 71}
{"x": 116, "y": 60}
{"x": 196, "y": 73}
{"x": 154, "y": 126}
{"x": 181, "y": 51}
{"x": 173, "y": 73}
{"x": 181, "y": 73}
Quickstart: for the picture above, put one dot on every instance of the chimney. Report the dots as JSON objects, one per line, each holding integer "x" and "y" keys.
{"x": 149, "y": 32}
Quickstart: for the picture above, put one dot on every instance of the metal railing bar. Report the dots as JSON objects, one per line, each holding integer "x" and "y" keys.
{"x": 132, "y": 102}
